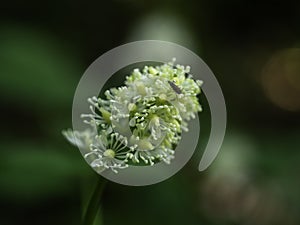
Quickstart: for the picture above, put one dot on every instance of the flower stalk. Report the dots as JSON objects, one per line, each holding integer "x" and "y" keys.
{"x": 94, "y": 203}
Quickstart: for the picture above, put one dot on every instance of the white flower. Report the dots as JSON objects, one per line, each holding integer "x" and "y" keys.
{"x": 80, "y": 139}
{"x": 141, "y": 121}
{"x": 102, "y": 118}
{"x": 108, "y": 152}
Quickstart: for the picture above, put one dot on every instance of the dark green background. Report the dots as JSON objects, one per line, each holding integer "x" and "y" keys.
{"x": 45, "y": 47}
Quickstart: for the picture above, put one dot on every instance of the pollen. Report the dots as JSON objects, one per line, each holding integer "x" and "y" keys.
{"x": 109, "y": 153}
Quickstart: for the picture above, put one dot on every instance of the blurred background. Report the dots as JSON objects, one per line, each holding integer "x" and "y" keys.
{"x": 253, "y": 48}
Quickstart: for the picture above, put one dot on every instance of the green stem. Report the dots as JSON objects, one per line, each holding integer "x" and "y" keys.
{"x": 94, "y": 203}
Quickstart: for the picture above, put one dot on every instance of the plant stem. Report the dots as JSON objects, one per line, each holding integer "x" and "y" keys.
{"x": 94, "y": 203}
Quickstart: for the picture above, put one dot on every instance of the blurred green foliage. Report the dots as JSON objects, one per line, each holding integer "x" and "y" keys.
{"x": 36, "y": 67}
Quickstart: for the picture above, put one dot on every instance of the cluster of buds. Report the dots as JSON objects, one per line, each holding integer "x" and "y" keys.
{"x": 141, "y": 122}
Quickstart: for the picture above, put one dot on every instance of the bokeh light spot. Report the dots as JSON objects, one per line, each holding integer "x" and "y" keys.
{"x": 281, "y": 79}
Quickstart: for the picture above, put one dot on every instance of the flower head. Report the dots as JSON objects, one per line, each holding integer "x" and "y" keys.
{"x": 142, "y": 121}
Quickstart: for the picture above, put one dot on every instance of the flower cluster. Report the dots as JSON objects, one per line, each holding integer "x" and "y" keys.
{"x": 141, "y": 122}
